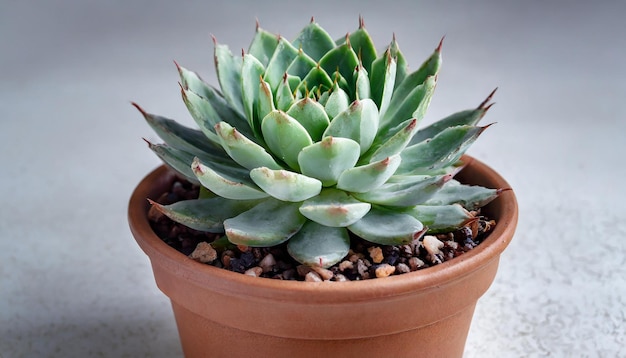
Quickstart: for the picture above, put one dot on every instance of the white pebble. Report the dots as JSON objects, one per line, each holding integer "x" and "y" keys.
{"x": 432, "y": 245}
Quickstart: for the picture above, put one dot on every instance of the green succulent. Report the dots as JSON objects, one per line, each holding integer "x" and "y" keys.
{"x": 309, "y": 140}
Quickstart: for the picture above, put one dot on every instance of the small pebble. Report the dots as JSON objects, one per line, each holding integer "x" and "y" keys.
{"x": 385, "y": 270}
{"x": 204, "y": 253}
{"x": 325, "y": 274}
{"x": 255, "y": 271}
{"x": 432, "y": 245}
{"x": 403, "y": 268}
{"x": 415, "y": 263}
{"x": 267, "y": 263}
{"x": 312, "y": 277}
{"x": 361, "y": 267}
{"x": 452, "y": 244}
{"x": 340, "y": 278}
{"x": 376, "y": 253}
{"x": 346, "y": 265}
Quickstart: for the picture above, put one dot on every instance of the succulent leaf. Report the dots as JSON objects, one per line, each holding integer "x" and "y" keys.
{"x": 362, "y": 83}
{"x": 363, "y": 46}
{"x": 228, "y": 68}
{"x": 337, "y": 102}
{"x": 265, "y": 103}
{"x": 334, "y": 208}
{"x": 314, "y": 41}
{"x": 220, "y": 109}
{"x": 285, "y": 137}
{"x": 359, "y": 122}
{"x": 267, "y": 224}
{"x": 301, "y": 65}
{"x": 319, "y": 245}
{"x": 470, "y": 197}
{"x": 440, "y": 218}
{"x": 394, "y": 145}
{"x": 317, "y": 77}
{"x": 327, "y": 159}
{"x": 386, "y": 227}
{"x": 285, "y": 185}
{"x": 244, "y": 151}
{"x": 283, "y": 57}
{"x": 177, "y": 135}
{"x": 469, "y": 117}
{"x": 230, "y": 184}
{"x": 444, "y": 149}
{"x": 405, "y": 191}
{"x": 382, "y": 80}
{"x": 176, "y": 159}
{"x": 414, "y": 105}
{"x": 284, "y": 95}
{"x": 311, "y": 115}
{"x": 263, "y": 45}
{"x": 252, "y": 71}
{"x": 402, "y": 66}
{"x": 368, "y": 177}
{"x": 205, "y": 214}
{"x": 342, "y": 58}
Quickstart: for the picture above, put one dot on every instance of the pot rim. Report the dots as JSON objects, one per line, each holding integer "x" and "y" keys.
{"x": 233, "y": 283}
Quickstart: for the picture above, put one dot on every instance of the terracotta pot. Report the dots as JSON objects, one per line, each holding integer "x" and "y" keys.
{"x": 425, "y": 313}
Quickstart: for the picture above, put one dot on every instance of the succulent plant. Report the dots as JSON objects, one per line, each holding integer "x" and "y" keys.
{"x": 312, "y": 139}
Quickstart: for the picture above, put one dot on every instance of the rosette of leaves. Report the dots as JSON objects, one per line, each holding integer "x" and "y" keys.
{"x": 308, "y": 140}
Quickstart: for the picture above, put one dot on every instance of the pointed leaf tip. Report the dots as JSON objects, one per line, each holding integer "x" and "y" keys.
{"x": 487, "y": 100}
{"x": 418, "y": 234}
{"x": 438, "y": 49}
{"x": 361, "y": 22}
{"x": 502, "y": 190}
{"x": 143, "y": 112}
{"x": 312, "y": 19}
{"x": 214, "y": 39}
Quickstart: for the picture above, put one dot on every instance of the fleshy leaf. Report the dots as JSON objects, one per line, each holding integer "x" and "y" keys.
{"x": 284, "y": 96}
{"x": 269, "y": 223}
{"x": 285, "y": 137}
{"x": 228, "y": 68}
{"x": 317, "y": 77}
{"x": 244, "y": 151}
{"x": 469, "y": 117}
{"x": 444, "y": 149}
{"x": 440, "y": 218}
{"x": 471, "y": 197}
{"x": 263, "y": 45}
{"x": 394, "y": 145}
{"x": 283, "y": 56}
{"x": 414, "y": 105}
{"x": 311, "y": 115}
{"x": 363, "y": 46}
{"x": 318, "y": 245}
{"x": 265, "y": 103}
{"x": 337, "y": 102}
{"x": 429, "y": 68}
{"x": 209, "y": 97}
{"x": 230, "y": 184}
{"x": 402, "y": 66}
{"x": 362, "y": 84}
{"x": 203, "y": 114}
{"x": 406, "y": 191}
{"x": 359, "y": 122}
{"x": 285, "y": 185}
{"x": 301, "y": 65}
{"x": 206, "y": 215}
{"x": 314, "y": 41}
{"x": 177, "y": 135}
{"x": 342, "y": 58}
{"x": 327, "y": 159}
{"x": 382, "y": 80}
{"x": 387, "y": 227}
{"x": 334, "y": 208}
{"x": 370, "y": 176}
{"x": 176, "y": 159}
{"x": 251, "y": 72}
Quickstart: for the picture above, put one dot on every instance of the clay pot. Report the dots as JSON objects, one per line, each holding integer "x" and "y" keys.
{"x": 425, "y": 313}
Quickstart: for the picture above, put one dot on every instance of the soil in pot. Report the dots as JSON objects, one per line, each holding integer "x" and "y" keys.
{"x": 365, "y": 260}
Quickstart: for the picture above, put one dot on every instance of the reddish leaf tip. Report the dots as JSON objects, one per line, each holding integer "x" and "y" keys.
{"x": 418, "y": 235}
{"x": 502, "y": 190}
{"x": 143, "y": 112}
{"x": 312, "y": 19}
{"x": 361, "y": 22}
{"x": 214, "y": 39}
{"x": 438, "y": 49}
{"x": 488, "y": 99}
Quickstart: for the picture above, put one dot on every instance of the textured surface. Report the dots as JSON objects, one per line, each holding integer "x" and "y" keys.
{"x": 74, "y": 283}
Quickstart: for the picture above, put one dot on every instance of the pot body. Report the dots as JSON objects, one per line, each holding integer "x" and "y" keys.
{"x": 426, "y": 313}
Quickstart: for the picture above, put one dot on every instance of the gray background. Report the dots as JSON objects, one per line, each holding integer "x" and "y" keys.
{"x": 73, "y": 283}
